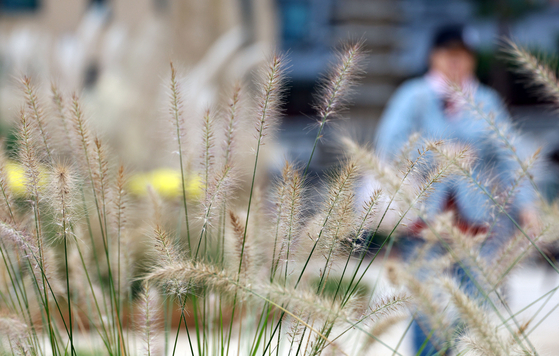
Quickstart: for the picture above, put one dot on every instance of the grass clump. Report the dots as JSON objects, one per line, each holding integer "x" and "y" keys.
{"x": 259, "y": 271}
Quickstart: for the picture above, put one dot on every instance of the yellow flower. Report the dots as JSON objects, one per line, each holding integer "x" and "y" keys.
{"x": 166, "y": 182}
{"x": 16, "y": 178}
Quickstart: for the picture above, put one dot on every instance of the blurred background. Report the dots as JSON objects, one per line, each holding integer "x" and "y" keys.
{"x": 115, "y": 53}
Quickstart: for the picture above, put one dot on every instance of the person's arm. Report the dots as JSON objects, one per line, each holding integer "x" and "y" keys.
{"x": 397, "y": 122}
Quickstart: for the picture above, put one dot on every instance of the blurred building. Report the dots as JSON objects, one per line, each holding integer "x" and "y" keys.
{"x": 310, "y": 29}
{"x": 185, "y": 29}
{"x": 116, "y": 54}
{"x": 194, "y": 25}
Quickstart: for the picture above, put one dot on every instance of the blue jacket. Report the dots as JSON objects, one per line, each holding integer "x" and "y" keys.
{"x": 416, "y": 107}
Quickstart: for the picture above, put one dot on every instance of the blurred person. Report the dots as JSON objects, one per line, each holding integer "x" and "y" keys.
{"x": 428, "y": 105}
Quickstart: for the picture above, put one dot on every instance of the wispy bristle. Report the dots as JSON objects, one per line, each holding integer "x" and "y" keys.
{"x": 101, "y": 167}
{"x": 62, "y": 183}
{"x": 539, "y": 73}
{"x": 239, "y": 233}
{"x": 28, "y": 156}
{"x": 304, "y": 301}
{"x": 123, "y": 241}
{"x": 80, "y": 130}
{"x": 28, "y": 248}
{"x": 165, "y": 246}
{"x": 310, "y": 305}
{"x": 187, "y": 273}
{"x": 149, "y": 318}
{"x": 62, "y": 114}
{"x": 232, "y": 122}
{"x": 99, "y": 176}
{"x": 476, "y": 319}
{"x": 156, "y": 205}
{"x": 512, "y": 253}
{"x": 11, "y": 236}
{"x": 390, "y": 180}
{"x": 338, "y": 211}
{"x": 120, "y": 200}
{"x": 504, "y": 134}
{"x": 5, "y": 191}
{"x": 365, "y": 221}
{"x": 17, "y": 333}
{"x": 208, "y": 144}
{"x": 218, "y": 187}
{"x": 426, "y": 301}
{"x": 334, "y": 91}
{"x": 269, "y": 97}
{"x": 38, "y": 116}
{"x": 176, "y": 110}
{"x": 386, "y": 306}
{"x": 289, "y": 213}
{"x": 407, "y": 152}
{"x": 380, "y": 328}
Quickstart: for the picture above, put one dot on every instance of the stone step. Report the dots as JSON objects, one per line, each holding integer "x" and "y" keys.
{"x": 372, "y": 94}
{"x": 381, "y": 65}
{"x": 375, "y": 36}
{"x": 367, "y": 11}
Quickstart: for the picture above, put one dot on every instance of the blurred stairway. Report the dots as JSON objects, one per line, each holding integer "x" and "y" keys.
{"x": 310, "y": 28}
{"x": 377, "y": 23}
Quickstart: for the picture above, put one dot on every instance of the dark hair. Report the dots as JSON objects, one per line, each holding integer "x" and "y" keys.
{"x": 451, "y": 36}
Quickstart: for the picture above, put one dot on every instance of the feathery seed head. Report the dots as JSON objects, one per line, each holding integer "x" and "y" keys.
{"x": 165, "y": 246}
{"x": 100, "y": 169}
{"x": 62, "y": 183}
{"x": 15, "y": 331}
{"x": 338, "y": 214}
{"x": 539, "y": 73}
{"x": 289, "y": 210}
{"x": 269, "y": 98}
{"x": 38, "y": 122}
{"x": 365, "y": 220}
{"x": 14, "y": 237}
{"x": 80, "y": 130}
{"x": 219, "y": 187}
{"x": 243, "y": 250}
{"x": 336, "y": 88}
{"x": 387, "y": 305}
{"x": 28, "y": 156}
{"x": 476, "y": 319}
{"x": 149, "y": 318}
{"x": 62, "y": 113}
{"x": 120, "y": 197}
{"x": 176, "y": 110}
{"x": 310, "y": 305}
{"x": 208, "y": 156}
{"x": 179, "y": 277}
{"x": 232, "y": 122}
